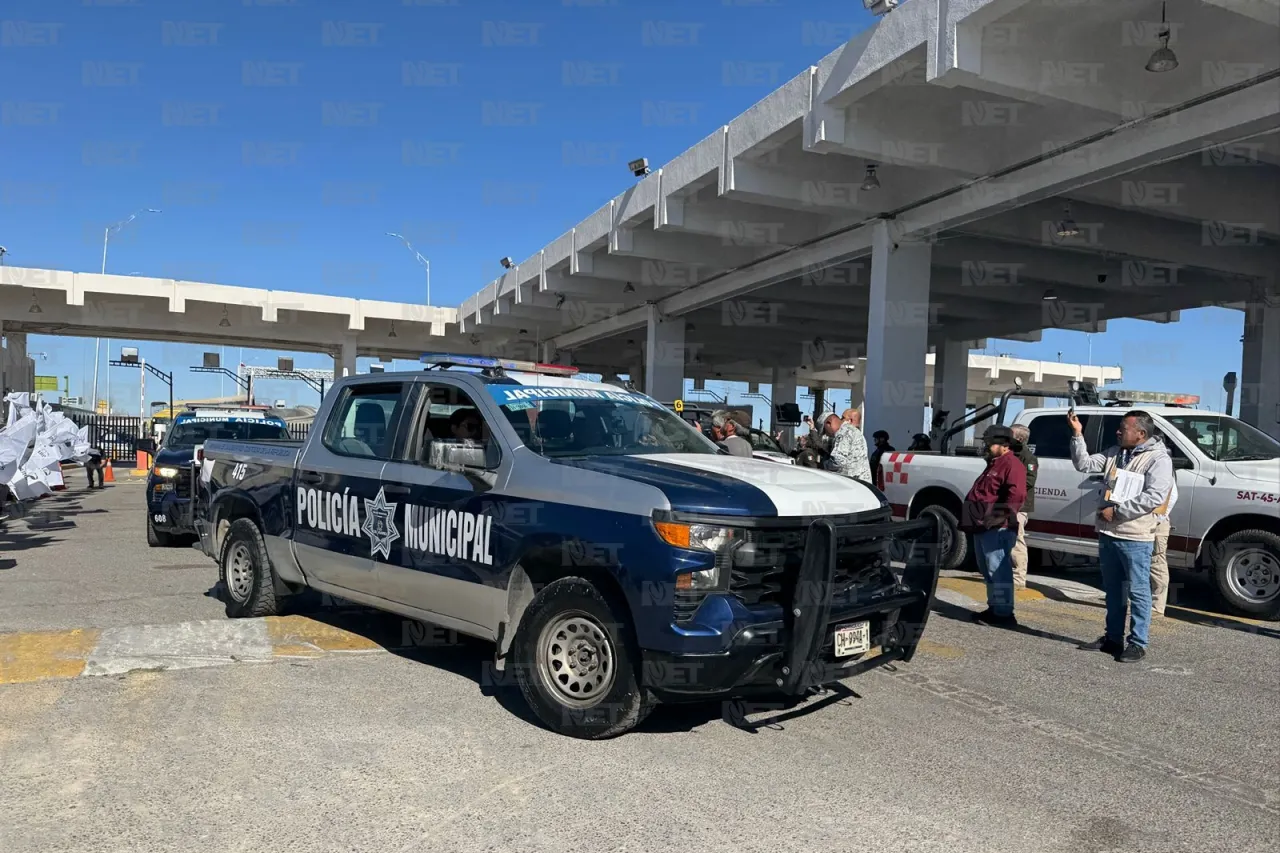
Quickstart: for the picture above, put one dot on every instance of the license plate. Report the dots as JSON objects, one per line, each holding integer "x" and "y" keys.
{"x": 853, "y": 639}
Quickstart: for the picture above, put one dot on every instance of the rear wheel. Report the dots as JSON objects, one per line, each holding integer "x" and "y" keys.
{"x": 576, "y": 663}
{"x": 248, "y": 581}
{"x": 158, "y": 538}
{"x": 953, "y": 543}
{"x": 1246, "y": 566}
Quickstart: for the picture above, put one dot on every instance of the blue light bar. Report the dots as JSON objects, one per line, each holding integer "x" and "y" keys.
{"x": 442, "y": 358}
{"x": 460, "y": 360}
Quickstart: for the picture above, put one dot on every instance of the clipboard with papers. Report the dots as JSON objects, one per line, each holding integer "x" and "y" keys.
{"x": 1125, "y": 486}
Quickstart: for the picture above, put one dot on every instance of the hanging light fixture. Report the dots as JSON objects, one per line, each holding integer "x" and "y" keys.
{"x": 393, "y": 329}
{"x": 1162, "y": 58}
{"x": 35, "y": 305}
{"x": 1067, "y": 227}
{"x": 225, "y": 321}
{"x": 871, "y": 182}
{"x": 628, "y": 288}
{"x": 1050, "y": 295}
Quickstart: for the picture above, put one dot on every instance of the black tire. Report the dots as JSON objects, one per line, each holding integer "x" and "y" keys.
{"x": 1253, "y": 557}
{"x": 621, "y": 703}
{"x": 954, "y": 556}
{"x": 248, "y": 580}
{"x": 158, "y": 538}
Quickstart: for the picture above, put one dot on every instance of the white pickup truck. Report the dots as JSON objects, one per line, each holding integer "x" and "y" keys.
{"x": 1226, "y": 520}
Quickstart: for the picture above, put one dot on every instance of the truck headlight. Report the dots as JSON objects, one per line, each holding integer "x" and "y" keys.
{"x": 166, "y": 473}
{"x": 699, "y": 537}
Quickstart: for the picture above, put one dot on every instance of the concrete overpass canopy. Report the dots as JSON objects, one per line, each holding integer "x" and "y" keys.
{"x": 57, "y": 302}
{"x": 958, "y": 171}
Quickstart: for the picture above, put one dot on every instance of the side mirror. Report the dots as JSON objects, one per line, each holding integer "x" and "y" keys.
{"x": 450, "y": 454}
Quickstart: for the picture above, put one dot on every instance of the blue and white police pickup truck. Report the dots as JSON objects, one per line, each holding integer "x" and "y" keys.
{"x": 170, "y": 482}
{"x": 614, "y": 555}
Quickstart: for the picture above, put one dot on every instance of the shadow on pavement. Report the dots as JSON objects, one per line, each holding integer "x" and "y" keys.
{"x": 1213, "y": 620}
{"x": 1192, "y": 596}
{"x": 419, "y": 642}
{"x": 472, "y": 658}
{"x": 948, "y": 610}
{"x": 687, "y": 716}
{"x": 13, "y": 542}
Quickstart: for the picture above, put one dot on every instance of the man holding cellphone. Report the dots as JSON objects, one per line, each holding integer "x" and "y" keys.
{"x": 1137, "y": 476}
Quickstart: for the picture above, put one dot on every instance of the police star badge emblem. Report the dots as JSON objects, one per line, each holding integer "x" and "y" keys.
{"x": 380, "y": 525}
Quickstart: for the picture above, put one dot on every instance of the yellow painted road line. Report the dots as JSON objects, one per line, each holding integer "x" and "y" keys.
{"x": 39, "y": 655}
{"x": 298, "y": 636}
{"x": 928, "y": 647}
{"x": 1179, "y": 613}
{"x": 977, "y": 590}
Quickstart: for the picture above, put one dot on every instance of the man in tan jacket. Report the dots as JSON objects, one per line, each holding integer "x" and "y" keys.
{"x": 1137, "y": 480}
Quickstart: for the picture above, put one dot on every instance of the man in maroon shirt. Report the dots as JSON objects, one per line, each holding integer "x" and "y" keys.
{"x": 990, "y": 513}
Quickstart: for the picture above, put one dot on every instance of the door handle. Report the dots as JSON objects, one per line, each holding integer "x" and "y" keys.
{"x": 313, "y": 477}
{"x": 395, "y": 490}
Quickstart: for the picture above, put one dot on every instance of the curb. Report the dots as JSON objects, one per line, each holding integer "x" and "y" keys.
{"x": 83, "y": 652}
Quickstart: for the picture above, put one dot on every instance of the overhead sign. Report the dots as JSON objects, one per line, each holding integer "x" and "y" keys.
{"x": 46, "y": 383}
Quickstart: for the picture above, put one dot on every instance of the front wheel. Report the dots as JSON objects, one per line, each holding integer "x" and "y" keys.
{"x": 952, "y": 542}
{"x": 248, "y": 581}
{"x": 1246, "y": 566}
{"x": 158, "y": 538}
{"x": 576, "y": 663}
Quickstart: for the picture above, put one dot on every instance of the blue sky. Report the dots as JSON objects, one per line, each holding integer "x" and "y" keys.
{"x": 282, "y": 140}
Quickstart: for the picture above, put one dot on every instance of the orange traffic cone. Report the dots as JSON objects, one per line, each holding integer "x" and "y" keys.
{"x": 108, "y": 476}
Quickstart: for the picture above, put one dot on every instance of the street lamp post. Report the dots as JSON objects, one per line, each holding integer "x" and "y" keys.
{"x": 97, "y": 346}
{"x": 141, "y": 364}
{"x": 425, "y": 263}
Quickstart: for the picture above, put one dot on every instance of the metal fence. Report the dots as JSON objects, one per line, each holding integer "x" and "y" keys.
{"x": 299, "y": 432}
{"x": 115, "y": 435}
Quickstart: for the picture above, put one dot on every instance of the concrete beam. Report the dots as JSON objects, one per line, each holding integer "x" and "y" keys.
{"x": 1199, "y": 189}
{"x": 1132, "y": 146}
{"x": 679, "y": 248}
{"x": 741, "y": 224}
{"x": 1262, "y": 11}
{"x": 1124, "y": 233}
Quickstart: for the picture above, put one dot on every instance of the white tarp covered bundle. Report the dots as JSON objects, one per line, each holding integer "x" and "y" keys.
{"x": 32, "y": 443}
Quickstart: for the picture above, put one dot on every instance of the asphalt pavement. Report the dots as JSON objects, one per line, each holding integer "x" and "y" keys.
{"x": 137, "y": 717}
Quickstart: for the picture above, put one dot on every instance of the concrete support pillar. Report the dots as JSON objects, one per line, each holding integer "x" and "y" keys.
{"x": 344, "y": 363}
{"x": 783, "y": 391}
{"x": 897, "y": 336}
{"x": 951, "y": 379}
{"x": 19, "y": 371}
{"x": 819, "y": 402}
{"x": 858, "y": 400}
{"x": 664, "y": 355}
{"x": 1260, "y": 367}
{"x": 636, "y": 374}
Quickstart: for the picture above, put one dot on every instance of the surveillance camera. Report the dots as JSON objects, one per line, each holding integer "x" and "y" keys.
{"x": 507, "y": 263}
{"x": 880, "y": 7}
{"x": 640, "y": 167}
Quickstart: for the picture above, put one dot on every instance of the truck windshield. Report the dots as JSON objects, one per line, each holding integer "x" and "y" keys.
{"x": 1225, "y": 439}
{"x": 612, "y": 424}
{"x": 191, "y": 433}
